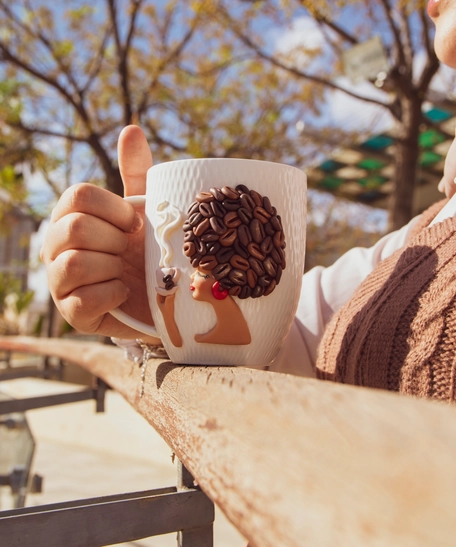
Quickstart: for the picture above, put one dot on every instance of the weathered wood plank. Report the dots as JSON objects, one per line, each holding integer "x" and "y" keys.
{"x": 294, "y": 461}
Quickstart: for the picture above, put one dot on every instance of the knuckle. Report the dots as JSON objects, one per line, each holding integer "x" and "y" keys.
{"x": 77, "y": 227}
{"x": 72, "y": 264}
{"x": 81, "y": 196}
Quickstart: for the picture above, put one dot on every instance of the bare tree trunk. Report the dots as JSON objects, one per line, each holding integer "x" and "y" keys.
{"x": 114, "y": 181}
{"x": 407, "y": 154}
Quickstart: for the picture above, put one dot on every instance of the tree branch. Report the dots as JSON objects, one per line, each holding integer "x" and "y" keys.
{"x": 173, "y": 54}
{"x": 400, "y": 60}
{"x": 296, "y": 72}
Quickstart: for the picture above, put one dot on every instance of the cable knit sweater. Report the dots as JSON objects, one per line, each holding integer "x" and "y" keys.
{"x": 398, "y": 331}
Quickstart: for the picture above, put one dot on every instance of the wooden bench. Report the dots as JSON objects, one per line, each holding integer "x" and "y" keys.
{"x": 293, "y": 461}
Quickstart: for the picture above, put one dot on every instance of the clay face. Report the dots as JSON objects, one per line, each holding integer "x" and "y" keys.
{"x": 201, "y": 285}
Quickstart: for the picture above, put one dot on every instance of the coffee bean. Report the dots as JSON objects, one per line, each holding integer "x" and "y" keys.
{"x": 196, "y": 260}
{"x": 251, "y": 278}
{"x": 218, "y": 209}
{"x": 257, "y": 198}
{"x": 221, "y": 270}
{"x": 217, "y": 194}
{"x": 257, "y": 291}
{"x": 169, "y": 285}
{"x": 189, "y": 236}
{"x": 235, "y": 290}
{"x": 278, "y": 239}
{"x": 264, "y": 280}
{"x": 239, "y": 263}
{"x": 204, "y": 197}
{"x": 267, "y": 245}
{"x": 244, "y": 235}
{"x": 275, "y": 223}
{"x": 270, "y": 267}
{"x": 240, "y": 249}
{"x": 227, "y": 239}
{"x": 226, "y": 284}
{"x": 261, "y": 214}
{"x": 208, "y": 262}
{"x": 200, "y": 246}
{"x": 247, "y": 202}
{"x": 187, "y": 226}
{"x": 256, "y": 229}
{"x": 256, "y": 266}
{"x": 231, "y": 204}
{"x": 189, "y": 248}
{"x": 167, "y": 278}
{"x": 268, "y": 290}
{"x": 205, "y": 209}
{"x": 217, "y": 225}
{"x": 224, "y": 254}
{"x": 277, "y": 255}
{"x": 278, "y": 274}
{"x": 230, "y": 193}
{"x": 246, "y": 291}
{"x": 194, "y": 208}
{"x": 212, "y": 247}
{"x": 202, "y": 227}
{"x": 242, "y": 189}
{"x": 195, "y": 219}
{"x": 238, "y": 277}
{"x": 232, "y": 220}
{"x": 245, "y": 215}
{"x": 209, "y": 236}
{"x": 269, "y": 229}
{"x": 255, "y": 251}
{"x": 267, "y": 205}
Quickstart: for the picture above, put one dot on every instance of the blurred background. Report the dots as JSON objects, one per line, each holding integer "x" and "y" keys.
{"x": 349, "y": 91}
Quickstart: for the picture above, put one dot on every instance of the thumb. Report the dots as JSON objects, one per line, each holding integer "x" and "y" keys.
{"x": 135, "y": 159}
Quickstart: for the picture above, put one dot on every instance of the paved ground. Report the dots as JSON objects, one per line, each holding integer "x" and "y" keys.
{"x": 82, "y": 454}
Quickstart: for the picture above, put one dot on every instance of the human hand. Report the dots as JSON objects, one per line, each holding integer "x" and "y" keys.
{"x": 94, "y": 248}
{"x": 448, "y": 185}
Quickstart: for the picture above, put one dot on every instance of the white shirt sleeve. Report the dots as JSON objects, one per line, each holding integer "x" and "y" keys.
{"x": 324, "y": 291}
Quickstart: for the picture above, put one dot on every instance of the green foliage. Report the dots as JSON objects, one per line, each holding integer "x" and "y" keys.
{"x": 13, "y": 302}
{"x": 11, "y": 286}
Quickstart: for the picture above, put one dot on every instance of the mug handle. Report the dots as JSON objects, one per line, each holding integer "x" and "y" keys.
{"x": 121, "y": 315}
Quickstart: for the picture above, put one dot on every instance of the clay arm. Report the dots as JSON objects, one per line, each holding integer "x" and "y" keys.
{"x": 166, "y": 305}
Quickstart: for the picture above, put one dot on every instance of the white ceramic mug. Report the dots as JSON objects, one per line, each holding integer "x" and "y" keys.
{"x": 210, "y": 297}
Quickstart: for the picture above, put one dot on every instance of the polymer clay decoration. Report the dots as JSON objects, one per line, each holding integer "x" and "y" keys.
{"x": 234, "y": 239}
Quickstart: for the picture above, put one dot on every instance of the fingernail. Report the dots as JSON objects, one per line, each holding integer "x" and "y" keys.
{"x": 137, "y": 223}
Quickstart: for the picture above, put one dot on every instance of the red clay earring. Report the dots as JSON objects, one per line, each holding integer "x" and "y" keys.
{"x": 217, "y": 292}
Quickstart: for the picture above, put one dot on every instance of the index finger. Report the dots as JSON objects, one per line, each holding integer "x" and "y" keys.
{"x": 95, "y": 201}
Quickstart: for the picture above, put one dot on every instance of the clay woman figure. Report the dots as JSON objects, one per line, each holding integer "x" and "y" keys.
{"x": 231, "y": 328}
{"x": 235, "y": 241}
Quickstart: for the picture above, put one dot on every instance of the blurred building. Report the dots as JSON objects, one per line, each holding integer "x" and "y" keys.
{"x": 16, "y": 229}
{"x": 363, "y": 172}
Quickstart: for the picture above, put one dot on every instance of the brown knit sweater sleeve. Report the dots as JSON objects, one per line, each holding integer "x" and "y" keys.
{"x": 398, "y": 331}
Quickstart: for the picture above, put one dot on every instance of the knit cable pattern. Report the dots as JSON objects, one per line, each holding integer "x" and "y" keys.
{"x": 398, "y": 331}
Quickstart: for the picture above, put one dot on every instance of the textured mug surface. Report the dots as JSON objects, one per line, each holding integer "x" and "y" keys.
{"x": 172, "y": 188}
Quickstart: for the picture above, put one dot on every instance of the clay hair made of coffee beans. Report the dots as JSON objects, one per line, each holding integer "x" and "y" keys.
{"x": 234, "y": 239}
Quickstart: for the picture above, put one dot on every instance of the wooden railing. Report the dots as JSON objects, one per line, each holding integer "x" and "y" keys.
{"x": 293, "y": 461}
